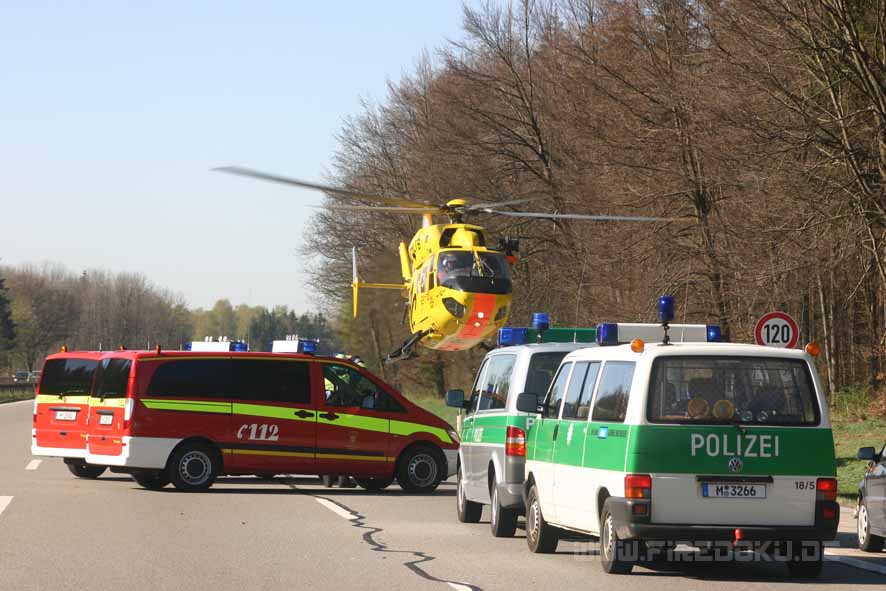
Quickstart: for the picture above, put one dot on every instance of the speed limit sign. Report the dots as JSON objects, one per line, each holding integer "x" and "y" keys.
{"x": 777, "y": 329}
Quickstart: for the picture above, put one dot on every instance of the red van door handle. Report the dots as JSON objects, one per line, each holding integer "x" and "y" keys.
{"x": 328, "y": 415}
{"x": 303, "y": 414}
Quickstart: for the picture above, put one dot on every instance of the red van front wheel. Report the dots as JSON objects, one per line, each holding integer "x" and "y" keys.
{"x": 420, "y": 469}
{"x": 193, "y": 467}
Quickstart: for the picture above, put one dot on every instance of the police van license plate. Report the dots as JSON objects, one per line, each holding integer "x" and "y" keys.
{"x": 65, "y": 415}
{"x": 106, "y": 420}
{"x": 737, "y": 490}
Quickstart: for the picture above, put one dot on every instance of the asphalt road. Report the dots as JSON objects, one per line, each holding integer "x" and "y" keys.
{"x": 58, "y": 532}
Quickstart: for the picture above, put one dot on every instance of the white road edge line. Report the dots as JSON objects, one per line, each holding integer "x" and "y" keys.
{"x": 343, "y": 513}
{"x": 459, "y": 586}
{"x": 4, "y": 503}
{"x": 30, "y": 400}
{"x": 857, "y": 563}
{"x": 33, "y": 464}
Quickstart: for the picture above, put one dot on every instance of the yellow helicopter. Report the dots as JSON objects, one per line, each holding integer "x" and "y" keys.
{"x": 457, "y": 286}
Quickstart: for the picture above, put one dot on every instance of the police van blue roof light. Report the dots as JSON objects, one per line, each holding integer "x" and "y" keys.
{"x": 187, "y": 346}
{"x": 666, "y": 308}
{"x": 239, "y": 346}
{"x": 540, "y": 321}
{"x": 607, "y": 334}
{"x": 714, "y": 334}
{"x": 510, "y": 336}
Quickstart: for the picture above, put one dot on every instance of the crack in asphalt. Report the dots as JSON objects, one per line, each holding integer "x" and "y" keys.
{"x": 368, "y": 537}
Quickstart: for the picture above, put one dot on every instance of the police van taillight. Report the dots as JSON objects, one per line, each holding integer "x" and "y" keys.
{"x": 638, "y": 486}
{"x": 515, "y": 442}
{"x": 826, "y": 489}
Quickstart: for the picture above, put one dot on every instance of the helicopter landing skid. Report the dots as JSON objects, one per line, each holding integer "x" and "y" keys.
{"x": 407, "y": 349}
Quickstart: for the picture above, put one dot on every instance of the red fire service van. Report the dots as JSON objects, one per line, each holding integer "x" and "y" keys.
{"x": 60, "y": 410}
{"x": 187, "y": 417}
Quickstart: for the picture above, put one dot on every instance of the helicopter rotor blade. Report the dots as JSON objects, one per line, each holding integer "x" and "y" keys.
{"x": 579, "y": 216}
{"x": 337, "y": 191}
{"x": 484, "y": 206}
{"x": 407, "y": 210}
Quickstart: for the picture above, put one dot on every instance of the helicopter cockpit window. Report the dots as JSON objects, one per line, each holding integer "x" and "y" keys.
{"x": 471, "y": 264}
{"x": 472, "y": 271}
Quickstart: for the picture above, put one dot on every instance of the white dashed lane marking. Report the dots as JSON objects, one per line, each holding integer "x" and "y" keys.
{"x": 33, "y": 464}
{"x": 340, "y": 511}
{"x": 4, "y": 502}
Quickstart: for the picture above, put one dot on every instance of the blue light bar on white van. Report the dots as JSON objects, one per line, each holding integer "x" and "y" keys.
{"x": 625, "y": 332}
{"x": 511, "y": 336}
{"x": 295, "y": 345}
{"x": 217, "y": 346}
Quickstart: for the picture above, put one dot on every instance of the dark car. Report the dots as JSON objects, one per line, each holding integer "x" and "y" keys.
{"x": 871, "y": 511}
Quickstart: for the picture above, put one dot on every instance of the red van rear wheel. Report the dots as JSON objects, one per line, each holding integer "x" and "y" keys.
{"x": 374, "y": 484}
{"x": 151, "y": 480}
{"x": 84, "y": 470}
{"x": 193, "y": 467}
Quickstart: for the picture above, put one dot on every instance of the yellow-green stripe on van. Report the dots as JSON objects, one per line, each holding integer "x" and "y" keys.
{"x": 346, "y": 420}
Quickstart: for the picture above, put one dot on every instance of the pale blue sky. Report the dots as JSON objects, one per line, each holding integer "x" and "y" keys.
{"x": 112, "y": 114}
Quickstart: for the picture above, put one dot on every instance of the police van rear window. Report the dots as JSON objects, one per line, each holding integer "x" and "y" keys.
{"x": 112, "y": 378}
{"x": 67, "y": 376}
{"x": 732, "y": 390}
{"x": 542, "y": 367}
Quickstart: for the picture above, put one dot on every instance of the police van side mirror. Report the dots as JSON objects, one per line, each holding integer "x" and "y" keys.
{"x": 455, "y": 398}
{"x": 527, "y": 402}
{"x": 867, "y": 453}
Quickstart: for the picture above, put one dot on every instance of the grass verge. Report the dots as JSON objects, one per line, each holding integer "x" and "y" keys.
{"x": 848, "y": 437}
{"x": 436, "y": 406}
{"x": 14, "y": 394}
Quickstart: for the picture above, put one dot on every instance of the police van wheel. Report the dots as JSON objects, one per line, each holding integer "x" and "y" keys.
{"x": 151, "y": 480}
{"x": 468, "y": 511}
{"x": 503, "y": 522}
{"x": 612, "y": 549}
{"x": 84, "y": 470}
{"x": 193, "y": 467}
{"x": 420, "y": 469}
{"x": 374, "y": 484}
{"x": 867, "y": 541}
{"x": 807, "y": 560}
{"x": 540, "y": 537}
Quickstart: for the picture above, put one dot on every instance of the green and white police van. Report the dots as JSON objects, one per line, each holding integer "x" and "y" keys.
{"x": 708, "y": 444}
{"x": 492, "y": 453}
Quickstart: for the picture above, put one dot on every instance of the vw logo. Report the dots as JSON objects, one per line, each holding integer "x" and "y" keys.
{"x": 735, "y": 464}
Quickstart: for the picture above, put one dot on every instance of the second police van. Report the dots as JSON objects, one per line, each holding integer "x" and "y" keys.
{"x": 716, "y": 445}
{"x": 188, "y": 417}
{"x": 493, "y": 451}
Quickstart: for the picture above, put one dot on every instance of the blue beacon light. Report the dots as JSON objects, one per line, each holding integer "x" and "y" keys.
{"x": 307, "y": 347}
{"x": 713, "y": 333}
{"x": 607, "y": 334}
{"x": 540, "y": 322}
{"x": 665, "y": 315}
{"x": 666, "y": 308}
